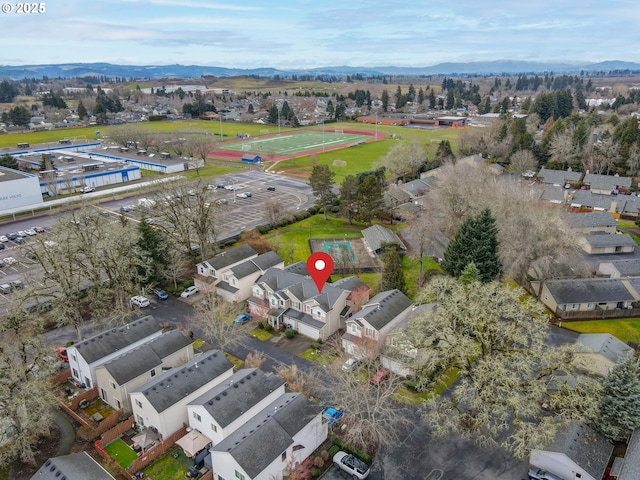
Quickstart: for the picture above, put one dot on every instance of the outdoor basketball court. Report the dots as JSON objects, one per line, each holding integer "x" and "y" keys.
{"x": 303, "y": 143}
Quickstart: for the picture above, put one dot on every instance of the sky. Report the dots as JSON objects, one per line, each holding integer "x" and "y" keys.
{"x": 319, "y": 33}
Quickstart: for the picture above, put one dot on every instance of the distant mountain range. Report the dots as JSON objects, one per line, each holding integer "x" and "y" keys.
{"x": 497, "y": 67}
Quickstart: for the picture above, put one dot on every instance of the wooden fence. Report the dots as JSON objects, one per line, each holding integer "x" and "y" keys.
{"x": 598, "y": 314}
{"x": 150, "y": 455}
{"x": 61, "y": 377}
{"x": 116, "y": 431}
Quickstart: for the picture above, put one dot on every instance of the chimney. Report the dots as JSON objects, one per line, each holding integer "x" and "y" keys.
{"x": 613, "y": 206}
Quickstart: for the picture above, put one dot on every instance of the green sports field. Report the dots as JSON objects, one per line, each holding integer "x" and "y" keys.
{"x": 287, "y": 143}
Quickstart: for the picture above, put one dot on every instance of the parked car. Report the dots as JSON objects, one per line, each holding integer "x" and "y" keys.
{"x": 242, "y": 318}
{"x": 22, "y": 233}
{"x": 380, "y": 376}
{"x": 271, "y": 189}
{"x": 9, "y": 261}
{"x": 189, "y": 292}
{"x": 1, "y": 246}
{"x": 31, "y": 232}
{"x": 332, "y": 415}
{"x": 244, "y": 195}
{"x": 88, "y": 189}
{"x": 5, "y": 288}
{"x": 124, "y": 209}
{"x": 139, "y": 301}
{"x": 39, "y": 229}
{"x": 19, "y": 240}
{"x": 3, "y": 238}
{"x": 16, "y": 284}
{"x": 160, "y": 293}
{"x": 222, "y": 201}
{"x": 61, "y": 353}
{"x": 351, "y": 464}
{"x": 350, "y": 365}
{"x": 539, "y": 474}
{"x": 12, "y": 235}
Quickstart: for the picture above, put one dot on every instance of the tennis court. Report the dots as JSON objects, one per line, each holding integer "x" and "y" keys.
{"x": 295, "y": 143}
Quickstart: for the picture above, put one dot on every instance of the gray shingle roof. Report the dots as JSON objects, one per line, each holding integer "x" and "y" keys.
{"x": 416, "y": 188}
{"x": 631, "y": 467}
{"x": 235, "y": 396}
{"x": 559, "y": 177}
{"x": 610, "y": 240}
{"x": 176, "y": 384}
{"x": 142, "y": 359}
{"x": 376, "y": 235}
{"x": 299, "y": 267}
{"x": 626, "y": 267}
{"x": 593, "y": 219}
{"x": 267, "y": 260}
{"x": 231, "y": 256}
{"x": 262, "y": 439}
{"x": 244, "y": 269}
{"x": 301, "y": 287}
{"x": 383, "y": 308}
{"x": 350, "y": 283}
{"x": 110, "y": 341}
{"x": 588, "y": 290}
{"x": 606, "y": 345}
{"x": 303, "y": 317}
{"x": 72, "y": 467}
{"x": 606, "y": 182}
{"x": 587, "y": 448}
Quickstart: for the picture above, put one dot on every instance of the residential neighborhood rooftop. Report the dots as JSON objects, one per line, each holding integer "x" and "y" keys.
{"x": 235, "y": 396}
{"x": 606, "y": 345}
{"x": 110, "y": 341}
{"x": 588, "y": 290}
{"x": 383, "y": 308}
{"x": 73, "y": 466}
{"x": 231, "y": 256}
{"x": 165, "y": 390}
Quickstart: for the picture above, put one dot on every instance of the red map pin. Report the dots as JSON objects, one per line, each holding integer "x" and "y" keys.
{"x": 320, "y": 266}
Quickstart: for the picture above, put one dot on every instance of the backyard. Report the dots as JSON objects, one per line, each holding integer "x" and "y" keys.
{"x": 625, "y": 329}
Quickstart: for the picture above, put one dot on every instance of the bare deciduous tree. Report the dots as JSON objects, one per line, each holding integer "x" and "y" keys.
{"x": 497, "y": 340}
{"x": 404, "y": 159}
{"x": 274, "y": 211}
{"x": 523, "y": 161}
{"x": 214, "y": 316}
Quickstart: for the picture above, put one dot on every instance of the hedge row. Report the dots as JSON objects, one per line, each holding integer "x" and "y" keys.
{"x": 297, "y": 217}
{"x": 365, "y": 457}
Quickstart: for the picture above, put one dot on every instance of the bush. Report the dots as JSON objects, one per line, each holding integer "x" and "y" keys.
{"x": 87, "y": 434}
{"x": 268, "y": 327}
{"x": 261, "y": 325}
{"x": 366, "y": 458}
{"x": 316, "y": 472}
{"x": 262, "y": 229}
{"x": 318, "y": 462}
{"x": 156, "y": 118}
{"x": 335, "y": 209}
{"x": 333, "y": 450}
{"x": 290, "y": 333}
{"x": 316, "y": 345}
{"x": 312, "y": 210}
{"x": 325, "y": 455}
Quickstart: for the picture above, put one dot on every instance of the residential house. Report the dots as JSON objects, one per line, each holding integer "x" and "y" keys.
{"x": 366, "y": 329}
{"x": 117, "y": 377}
{"x": 558, "y": 177}
{"x": 161, "y": 404}
{"x": 398, "y": 352}
{"x": 71, "y": 467}
{"x": 551, "y": 194}
{"x": 291, "y": 299}
{"x": 232, "y": 273}
{"x": 273, "y": 442}
{"x": 607, "y": 184}
{"x": 223, "y": 409}
{"x": 581, "y": 295}
{"x": 576, "y": 452}
{"x": 375, "y": 236}
{"x": 620, "y": 268}
{"x": 88, "y": 354}
{"x": 592, "y": 223}
{"x": 616, "y": 205}
{"x": 239, "y": 280}
{"x": 630, "y": 465}
{"x": 599, "y": 352}
{"x": 602, "y": 243}
{"x": 212, "y": 271}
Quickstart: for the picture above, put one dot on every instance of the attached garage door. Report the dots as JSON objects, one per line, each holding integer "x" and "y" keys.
{"x": 308, "y": 331}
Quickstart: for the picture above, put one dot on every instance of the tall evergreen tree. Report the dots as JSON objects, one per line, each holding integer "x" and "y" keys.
{"x": 348, "y": 197}
{"x": 475, "y": 242}
{"x": 152, "y": 242}
{"x": 369, "y": 198}
{"x": 620, "y": 403}
{"x": 8, "y": 161}
{"x": 385, "y": 100}
{"x": 392, "y": 273}
{"x": 321, "y": 181}
{"x": 82, "y": 110}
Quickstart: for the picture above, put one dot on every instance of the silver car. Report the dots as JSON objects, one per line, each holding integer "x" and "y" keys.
{"x": 540, "y": 474}
{"x": 352, "y": 465}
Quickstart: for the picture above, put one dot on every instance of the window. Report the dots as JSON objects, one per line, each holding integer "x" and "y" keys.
{"x": 575, "y": 306}
{"x": 295, "y": 305}
{"x": 284, "y": 455}
{"x": 118, "y": 404}
{"x": 113, "y": 384}
{"x": 282, "y": 303}
{"x": 153, "y": 372}
{"x": 369, "y": 332}
{"x": 353, "y": 328}
{"x": 75, "y": 373}
{"x": 308, "y": 309}
{"x": 73, "y": 357}
{"x": 197, "y": 417}
{"x": 103, "y": 394}
{"x": 214, "y": 428}
{"x": 139, "y": 420}
{"x": 239, "y": 476}
{"x": 139, "y": 404}
{"x": 274, "y": 301}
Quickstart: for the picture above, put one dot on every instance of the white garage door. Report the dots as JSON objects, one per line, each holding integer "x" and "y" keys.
{"x": 308, "y": 331}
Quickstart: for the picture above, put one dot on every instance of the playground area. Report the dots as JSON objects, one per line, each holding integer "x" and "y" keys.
{"x": 349, "y": 255}
{"x": 292, "y": 144}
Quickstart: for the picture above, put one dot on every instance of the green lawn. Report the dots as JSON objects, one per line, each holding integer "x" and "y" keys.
{"x": 168, "y": 467}
{"x": 324, "y": 358}
{"x": 626, "y": 329}
{"x": 121, "y": 452}
{"x": 261, "y": 334}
